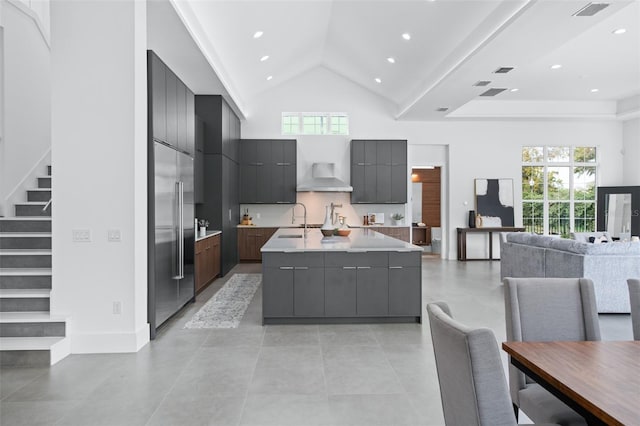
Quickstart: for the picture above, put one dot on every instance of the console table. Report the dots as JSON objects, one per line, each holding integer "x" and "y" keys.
{"x": 462, "y": 239}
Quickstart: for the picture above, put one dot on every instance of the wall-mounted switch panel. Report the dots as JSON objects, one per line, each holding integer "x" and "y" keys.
{"x": 113, "y": 235}
{"x": 81, "y": 235}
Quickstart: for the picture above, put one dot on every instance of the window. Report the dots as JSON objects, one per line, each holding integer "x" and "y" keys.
{"x": 315, "y": 123}
{"x": 559, "y": 189}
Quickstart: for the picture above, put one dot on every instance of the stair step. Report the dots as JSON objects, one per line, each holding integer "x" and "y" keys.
{"x": 30, "y": 316}
{"x": 39, "y": 194}
{"x": 32, "y": 208}
{"x": 26, "y": 272}
{"x": 25, "y": 278}
{"x": 25, "y": 240}
{"x": 25, "y": 224}
{"x": 24, "y": 293}
{"x": 44, "y": 181}
{"x": 33, "y": 351}
{"x": 25, "y": 258}
{"x": 28, "y": 302}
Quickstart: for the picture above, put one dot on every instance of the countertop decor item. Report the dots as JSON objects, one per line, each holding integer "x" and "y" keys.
{"x": 202, "y": 224}
{"x": 396, "y": 218}
{"x": 246, "y": 219}
{"x": 327, "y": 225}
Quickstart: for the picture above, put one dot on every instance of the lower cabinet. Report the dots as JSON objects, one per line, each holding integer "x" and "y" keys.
{"x": 207, "y": 261}
{"x": 328, "y": 286}
{"x": 251, "y": 240}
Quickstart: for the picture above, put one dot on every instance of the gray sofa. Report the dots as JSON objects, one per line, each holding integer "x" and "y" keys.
{"x": 607, "y": 265}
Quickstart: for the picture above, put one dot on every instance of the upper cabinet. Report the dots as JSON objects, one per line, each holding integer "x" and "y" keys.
{"x": 379, "y": 171}
{"x": 171, "y": 105}
{"x": 268, "y": 171}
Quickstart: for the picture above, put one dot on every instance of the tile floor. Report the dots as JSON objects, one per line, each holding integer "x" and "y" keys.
{"x": 274, "y": 375}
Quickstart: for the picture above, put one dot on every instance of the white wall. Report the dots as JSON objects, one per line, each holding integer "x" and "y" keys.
{"x": 26, "y": 130}
{"x": 477, "y": 149}
{"x": 631, "y": 135}
{"x": 99, "y": 137}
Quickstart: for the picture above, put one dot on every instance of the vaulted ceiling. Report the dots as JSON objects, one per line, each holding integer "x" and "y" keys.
{"x": 453, "y": 44}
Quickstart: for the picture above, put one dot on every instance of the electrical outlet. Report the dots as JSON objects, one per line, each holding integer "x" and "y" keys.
{"x": 117, "y": 308}
{"x": 81, "y": 235}
{"x": 257, "y": 215}
{"x": 113, "y": 235}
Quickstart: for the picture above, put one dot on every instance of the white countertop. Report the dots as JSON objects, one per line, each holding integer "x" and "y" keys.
{"x": 359, "y": 240}
{"x": 208, "y": 234}
{"x": 300, "y": 226}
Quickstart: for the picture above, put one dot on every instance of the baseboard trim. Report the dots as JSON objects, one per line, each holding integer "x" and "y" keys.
{"x": 95, "y": 343}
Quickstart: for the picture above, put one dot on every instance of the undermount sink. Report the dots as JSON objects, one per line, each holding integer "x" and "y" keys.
{"x": 290, "y": 236}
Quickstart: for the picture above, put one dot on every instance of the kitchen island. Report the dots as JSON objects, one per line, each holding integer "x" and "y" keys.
{"x": 367, "y": 277}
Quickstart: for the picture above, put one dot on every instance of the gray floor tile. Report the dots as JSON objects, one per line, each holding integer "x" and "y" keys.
{"x": 292, "y": 335}
{"x": 124, "y": 410}
{"x": 34, "y": 413}
{"x": 290, "y": 356}
{"x": 201, "y": 410}
{"x": 12, "y": 379}
{"x": 235, "y": 337}
{"x": 286, "y": 410}
{"x": 286, "y": 380}
{"x": 372, "y": 410}
{"x": 347, "y": 336}
{"x": 359, "y": 370}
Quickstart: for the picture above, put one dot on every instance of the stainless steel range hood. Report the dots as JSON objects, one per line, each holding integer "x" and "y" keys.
{"x": 323, "y": 179}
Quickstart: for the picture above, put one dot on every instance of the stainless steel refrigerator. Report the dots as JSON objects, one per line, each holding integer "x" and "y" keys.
{"x": 171, "y": 248}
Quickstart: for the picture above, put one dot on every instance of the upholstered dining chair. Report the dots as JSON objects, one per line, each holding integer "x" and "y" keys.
{"x": 634, "y": 299}
{"x": 543, "y": 310}
{"x": 473, "y": 387}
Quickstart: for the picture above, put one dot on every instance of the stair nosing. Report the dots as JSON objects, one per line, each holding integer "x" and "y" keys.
{"x": 25, "y": 234}
{"x": 27, "y": 272}
{"x": 25, "y": 252}
{"x": 32, "y": 203}
{"x": 25, "y": 293}
{"x": 27, "y": 218}
{"x": 29, "y": 343}
{"x": 30, "y": 317}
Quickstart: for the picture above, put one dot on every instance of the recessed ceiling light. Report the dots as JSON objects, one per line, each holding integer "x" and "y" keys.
{"x": 269, "y": 78}
{"x": 556, "y": 66}
{"x": 264, "y": 58}
{"x": 595, "y": 90}
{"x": 391, "y": 60}
{"x": 441, "y": 109}
{"x": 514, "y": 89}
{"x": 378, "y": 80}
{"x": 257, "y": 34}
{"x": 406, "y": 36}
{"x": 620, "y": 31}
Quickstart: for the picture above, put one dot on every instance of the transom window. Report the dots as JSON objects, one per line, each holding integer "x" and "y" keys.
{"x": 559, "y": 189}
{"x": 315, "y": 123}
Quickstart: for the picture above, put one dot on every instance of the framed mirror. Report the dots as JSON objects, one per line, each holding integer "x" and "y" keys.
{"x": 618, "y": 211}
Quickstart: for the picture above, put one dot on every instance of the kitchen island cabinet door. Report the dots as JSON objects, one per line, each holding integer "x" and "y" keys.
{"x": 372, "y": 291}
{"x": 308, "y": 292}
{"x": 404, "y": 291}
{"x": 340, "y": 292}
{"x": 277, "y": 292}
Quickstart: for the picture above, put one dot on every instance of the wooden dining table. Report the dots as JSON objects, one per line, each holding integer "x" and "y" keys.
{"x": 599, "y": 380}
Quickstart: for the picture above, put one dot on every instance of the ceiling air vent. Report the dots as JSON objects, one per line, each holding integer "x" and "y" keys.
{"x": 482, "y": 83}
{"x": 591, "y": 9}
{"x": 442, "y": 109}
{"x": 492, "y": 92}
{"x": 503, "y": 70}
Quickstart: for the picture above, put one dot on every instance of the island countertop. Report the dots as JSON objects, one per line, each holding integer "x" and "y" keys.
{"x": 360, "y": 239}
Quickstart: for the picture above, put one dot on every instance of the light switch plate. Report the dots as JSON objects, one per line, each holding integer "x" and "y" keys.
{"x": 81, "y": 235}
{"x": 113, "y": 235}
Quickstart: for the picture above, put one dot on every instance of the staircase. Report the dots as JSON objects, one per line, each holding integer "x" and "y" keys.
{"x": 29, "y": 334}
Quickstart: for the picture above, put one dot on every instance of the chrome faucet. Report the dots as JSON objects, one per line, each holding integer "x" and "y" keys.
{"x": 293, "y": 216}
{"x": 334, "y": 218}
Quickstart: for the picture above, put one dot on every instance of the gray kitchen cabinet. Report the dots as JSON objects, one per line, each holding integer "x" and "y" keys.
{"x": 198, "y": 165}
{"x": 373, "y": 291}
{"x": 340, "y": 292}
{"x": 172, "y": 110}
{"x": 277, "y": 297}
{"x": 158, "y": 89}
{"x": 181, "y": 115}
{"x": 268, "y": 171}
{"x": 220, "y": 204}
{"x": 379, "y": 171}
{"x": 191, "y": 122}
{"x": 405, "y": 289}
{"x": 296, "y": 285}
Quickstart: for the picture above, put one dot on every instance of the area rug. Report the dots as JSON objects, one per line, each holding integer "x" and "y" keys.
{"x": 226, "y": 308}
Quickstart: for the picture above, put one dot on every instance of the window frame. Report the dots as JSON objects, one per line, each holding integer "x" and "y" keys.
{"x": 326, "y": 125}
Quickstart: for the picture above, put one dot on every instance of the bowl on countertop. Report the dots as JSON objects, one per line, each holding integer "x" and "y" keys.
{"x": 327, "y": 232}
{"x": 343, "y": 232}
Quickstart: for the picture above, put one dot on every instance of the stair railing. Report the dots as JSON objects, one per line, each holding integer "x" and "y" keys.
{"x": 46, "y": 206}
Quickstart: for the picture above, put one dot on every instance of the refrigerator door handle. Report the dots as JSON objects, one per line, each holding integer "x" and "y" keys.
{"x": 180, "y": 230}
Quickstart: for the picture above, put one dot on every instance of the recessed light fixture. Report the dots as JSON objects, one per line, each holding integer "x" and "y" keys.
{"x": 257, "y": 34}
{"x": 391, "y": 60}
{"x": 406, "y": 36}
{"x": 514, "y": 89}
{"x": 264, "y": 58}
{"x": 439, "y": 109}
{"x": 619, "y": 31}
{"x": 556, "y": 66}
{"x": 377, "y": 80}
{"x": 595, "y": 90}
{"x": 269, "y": 78}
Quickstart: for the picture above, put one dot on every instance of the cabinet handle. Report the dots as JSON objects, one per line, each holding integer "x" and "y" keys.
{"x": 282, "y": 202}
{"x": 287, "y": 267}
{"x": 364, "y": 267}
{"x": 283, "y": 164}
{"x": 395, "y": 267}
{"x": 256, "y": 164}
{"x": 301, "y": 268}
{"x": 348, "y": 267}
{"x": 364, "y": 164}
